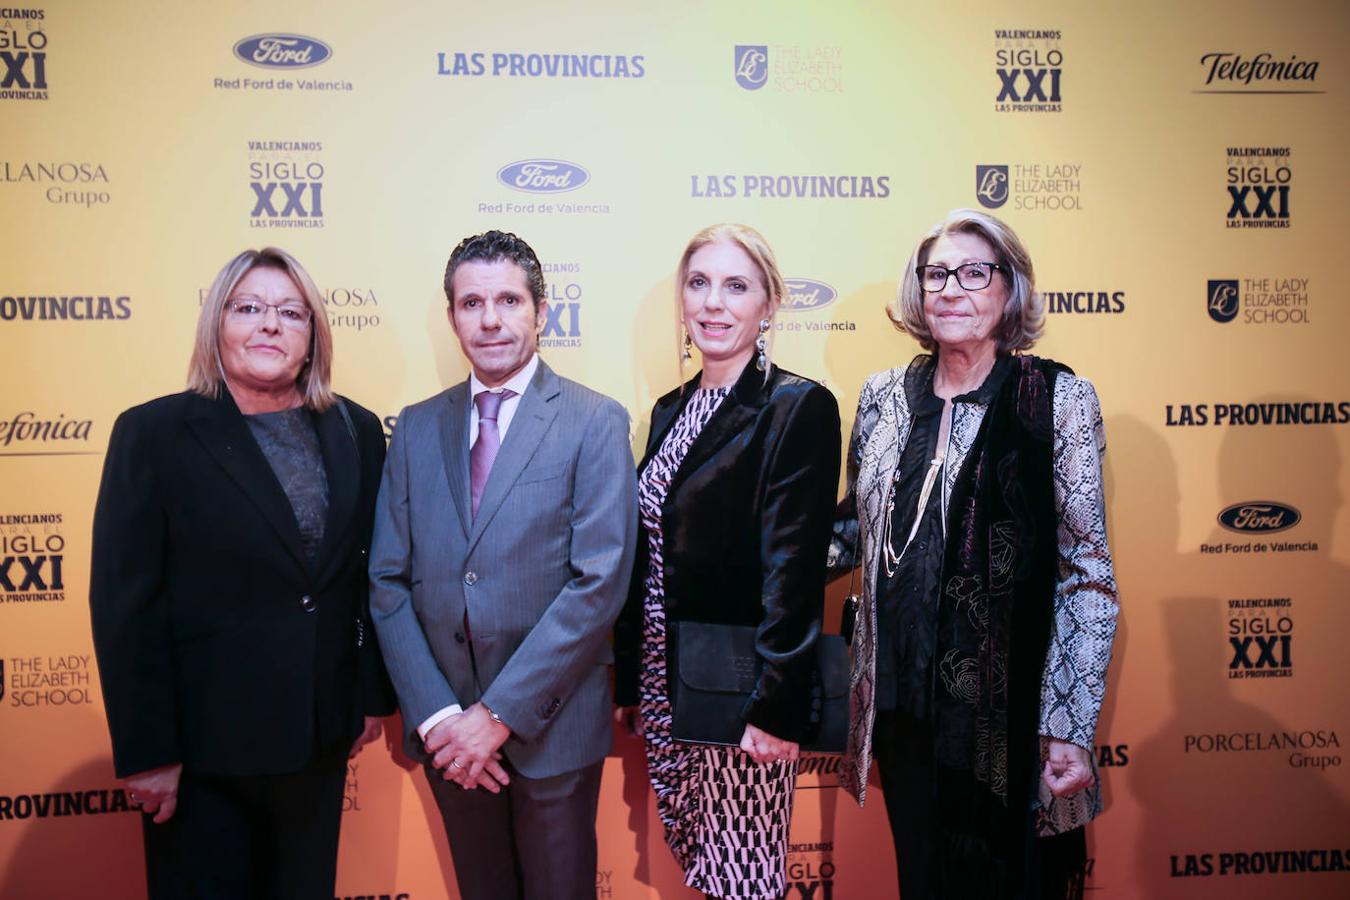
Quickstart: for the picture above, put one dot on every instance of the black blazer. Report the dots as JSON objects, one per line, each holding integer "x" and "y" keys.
{"x": 745, "y": 529}
{"x": 218, "y": 646}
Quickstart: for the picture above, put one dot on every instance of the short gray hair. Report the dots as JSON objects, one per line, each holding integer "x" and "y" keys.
{"x": 1023, "y": 319}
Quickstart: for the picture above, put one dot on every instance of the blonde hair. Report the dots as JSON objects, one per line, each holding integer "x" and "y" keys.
{"x": 1023, "y": 320}
{"x": 206, "y": 372}
{"x": 760, "y": 253}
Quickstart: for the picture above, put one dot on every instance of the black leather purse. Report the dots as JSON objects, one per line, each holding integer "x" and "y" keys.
{"x": 715, "y": 670}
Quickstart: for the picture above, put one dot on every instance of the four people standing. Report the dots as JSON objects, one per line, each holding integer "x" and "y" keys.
{"x": 504, "y": 538}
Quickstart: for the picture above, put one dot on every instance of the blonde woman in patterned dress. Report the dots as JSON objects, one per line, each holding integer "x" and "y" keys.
{"x": 989, "y": 603}
{"x": 736, "y": 497}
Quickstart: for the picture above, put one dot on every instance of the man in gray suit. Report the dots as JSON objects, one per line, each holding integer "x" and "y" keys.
{"x": 503, "y": 546}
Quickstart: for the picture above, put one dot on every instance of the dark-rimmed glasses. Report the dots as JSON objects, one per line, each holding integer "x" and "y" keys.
{"x": 971, "y": 276}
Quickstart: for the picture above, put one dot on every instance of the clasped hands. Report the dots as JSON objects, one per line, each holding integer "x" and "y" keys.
{"x": 466, "y": 748}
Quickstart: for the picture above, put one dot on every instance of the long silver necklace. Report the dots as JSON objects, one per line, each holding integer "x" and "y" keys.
{"x": 890, "y": 558}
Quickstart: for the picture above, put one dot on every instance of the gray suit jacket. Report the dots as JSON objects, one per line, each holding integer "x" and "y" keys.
{"x": 542, "y": 569}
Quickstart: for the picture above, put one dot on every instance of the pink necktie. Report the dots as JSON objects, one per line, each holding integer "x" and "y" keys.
{"x": 484, "y": 450}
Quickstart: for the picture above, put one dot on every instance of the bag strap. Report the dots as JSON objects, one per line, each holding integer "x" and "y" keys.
{"x": 351, "y": 429}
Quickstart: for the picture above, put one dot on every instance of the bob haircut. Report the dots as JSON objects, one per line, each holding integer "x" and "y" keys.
{"x": 206, "y": 372}
{"x": 760, "y": 253}
{"x": 1023, "y": 319}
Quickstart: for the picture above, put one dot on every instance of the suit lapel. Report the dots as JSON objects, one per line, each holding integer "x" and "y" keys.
{"x": 221, "y": 428}
{"x": 729, "y": 421}
{"x": 531, "y": 422}
{"x": 664, "y": 415}
{"x": 454, "y": 428}
{"x": 342, "y": 463}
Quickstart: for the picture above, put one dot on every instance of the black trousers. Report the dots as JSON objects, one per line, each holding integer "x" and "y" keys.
{"x": 1053, "y": 868}
{"x": 904, "y": 752}
{"x": 535, "y": 840}
{"x": 249, "y": 836}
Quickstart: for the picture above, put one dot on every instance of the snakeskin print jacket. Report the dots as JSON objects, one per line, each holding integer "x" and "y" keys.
{"x": 1085, "y": 603}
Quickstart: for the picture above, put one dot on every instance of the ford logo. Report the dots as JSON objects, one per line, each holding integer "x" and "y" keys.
{"x": 543, "y": 176}
{"x": 1262, "y": 516}
{"x": 807, "y": 293}
{"x": 282, "y": 51}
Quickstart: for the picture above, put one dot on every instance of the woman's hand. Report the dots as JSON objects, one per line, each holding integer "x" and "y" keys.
{"x": 1068, "y": 767}
{"x": 626, "y": 717}
{"x": 764, "y": 748}
{"x": 373, "y": 726}
{"x": 156, "y": 790}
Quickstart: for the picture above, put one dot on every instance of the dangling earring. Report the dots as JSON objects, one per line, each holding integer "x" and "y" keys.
{"x": 761, "y": 343}
{"x": 688, "y": 343}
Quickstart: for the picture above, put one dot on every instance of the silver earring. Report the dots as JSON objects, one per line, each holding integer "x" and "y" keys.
{"x": 688, "y": 342}
{"x": 761, "y": 343}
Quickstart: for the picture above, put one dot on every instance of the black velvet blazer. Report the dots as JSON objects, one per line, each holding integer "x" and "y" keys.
{"x": 219, "y": 645}
{"x": 746, "y": 527}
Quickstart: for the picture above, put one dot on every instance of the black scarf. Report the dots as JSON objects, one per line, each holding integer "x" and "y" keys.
{"x": 995, "y": 615}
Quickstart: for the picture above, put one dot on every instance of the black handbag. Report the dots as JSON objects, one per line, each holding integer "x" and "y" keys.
{"x": 715, "y": 670}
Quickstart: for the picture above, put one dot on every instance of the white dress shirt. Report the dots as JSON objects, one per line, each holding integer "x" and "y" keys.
{"x": 518, "y": 382}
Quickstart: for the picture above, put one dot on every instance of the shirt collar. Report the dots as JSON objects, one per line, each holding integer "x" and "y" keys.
{"x": 518, "y": 382}
{"x": 919, "y": 386}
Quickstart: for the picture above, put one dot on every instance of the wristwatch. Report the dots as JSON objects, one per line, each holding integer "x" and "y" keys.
{"x": 493, "y": 716}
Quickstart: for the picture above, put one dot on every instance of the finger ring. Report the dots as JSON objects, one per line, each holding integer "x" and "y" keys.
{"x": 455, "y": 763}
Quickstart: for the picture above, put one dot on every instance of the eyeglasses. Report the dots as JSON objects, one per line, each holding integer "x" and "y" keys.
{"x": 291, "y": 315}
{"x": 971, "y": 276}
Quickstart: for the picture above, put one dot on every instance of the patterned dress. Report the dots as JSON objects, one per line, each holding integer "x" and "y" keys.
{"x": 726, "y": 817}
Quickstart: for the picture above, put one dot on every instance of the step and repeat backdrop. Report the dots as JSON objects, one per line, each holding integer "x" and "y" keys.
{"x": 1178, "y": 172}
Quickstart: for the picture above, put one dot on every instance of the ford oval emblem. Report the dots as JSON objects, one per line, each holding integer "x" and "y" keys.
{"x": 1259, "y": 516}
{"x": 282, "y": 51}
{"x": 807, "y": 293}
{"x": 543, "y": 176}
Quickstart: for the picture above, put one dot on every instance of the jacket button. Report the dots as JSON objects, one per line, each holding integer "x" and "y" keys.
{"x": 470, "y": 578}
{"x": 459, "y": 637}
{"x": 307, "y": 603}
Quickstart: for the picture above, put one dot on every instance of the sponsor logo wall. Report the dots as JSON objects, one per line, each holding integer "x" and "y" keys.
{"x": 1147, "y": 176}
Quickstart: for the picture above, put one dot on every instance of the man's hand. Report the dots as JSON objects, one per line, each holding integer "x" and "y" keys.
{"x": 156, "y": 790}
{"x": 374, "y": 725}
{"x": 764, "y": 748}
{"x": 466, "y": 748}
{"x": 1068, "y": 767}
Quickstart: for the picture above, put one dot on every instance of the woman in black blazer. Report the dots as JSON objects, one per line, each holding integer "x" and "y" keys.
{"x": 736, "y": 495}
{"x": 228, "y": 597}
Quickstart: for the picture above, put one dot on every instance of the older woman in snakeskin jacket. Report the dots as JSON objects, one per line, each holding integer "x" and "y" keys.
{"x": 975, "y": 509}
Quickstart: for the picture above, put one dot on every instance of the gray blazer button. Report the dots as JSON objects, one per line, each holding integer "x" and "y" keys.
{"x": 470, "y": 577}
{"x": 307, "y": 603}
{"x": 459, "y": 637}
